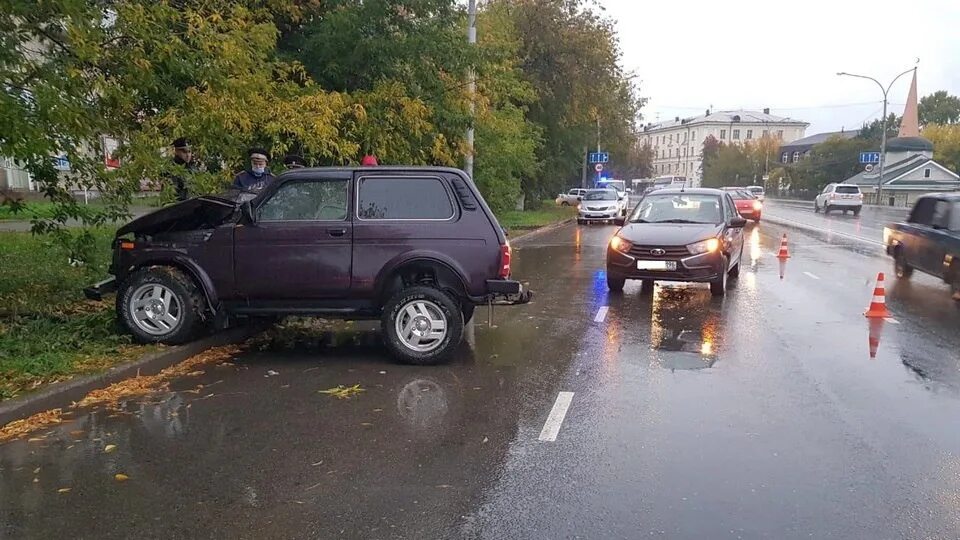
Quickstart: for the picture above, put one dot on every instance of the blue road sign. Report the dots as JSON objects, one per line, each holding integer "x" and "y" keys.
{"x": 599, "y": 157}
{"x": 870, "y": 157}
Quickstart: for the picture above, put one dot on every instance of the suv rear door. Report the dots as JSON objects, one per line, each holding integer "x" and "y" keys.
{"x": 300, "y": 247}
{"x": 403, "y": 215}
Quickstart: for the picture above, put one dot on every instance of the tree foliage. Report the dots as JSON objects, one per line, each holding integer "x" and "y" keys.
{"x": 738, "y": 164}
{"x": 330, "y": 80}
{"x": 946, "y": 144}
{"x": 939, "y": 108}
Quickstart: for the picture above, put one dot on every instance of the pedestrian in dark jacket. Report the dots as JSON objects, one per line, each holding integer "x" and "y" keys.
{"x": 182, "y": 157}
{"x": 258, "y": 176}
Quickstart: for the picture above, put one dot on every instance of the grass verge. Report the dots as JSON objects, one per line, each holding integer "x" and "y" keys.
{"x": 548, "y": 214}
{"x": 48, "y": 332}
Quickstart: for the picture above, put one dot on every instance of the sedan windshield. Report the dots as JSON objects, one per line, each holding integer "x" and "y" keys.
{"x": 678, "y": 208}
{"x": 600, "y": 195}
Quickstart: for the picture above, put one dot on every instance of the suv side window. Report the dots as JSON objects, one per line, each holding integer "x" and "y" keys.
{"x": 309, "y": 200}
{"x": 828, "y": 189}
{"x": 954, "y": 222}
{"x": 403, "y": 197}
{"x": 941, "y": 215}
{"x": 922, "y": 213}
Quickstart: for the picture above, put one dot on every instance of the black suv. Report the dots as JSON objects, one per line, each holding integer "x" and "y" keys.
{"x": 416, "y": 247}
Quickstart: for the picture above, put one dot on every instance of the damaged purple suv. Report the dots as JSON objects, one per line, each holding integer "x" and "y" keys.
{"x": 416, "y": 247}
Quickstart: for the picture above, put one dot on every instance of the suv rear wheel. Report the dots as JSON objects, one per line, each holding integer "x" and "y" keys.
{"x": 422, "y": 325}
{"x": 160, "y": 305}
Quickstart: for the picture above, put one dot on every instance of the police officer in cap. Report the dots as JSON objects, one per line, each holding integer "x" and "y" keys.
{"x": 293, "y": 161}
{"x": 183, "y": 158}
{"x": 258, "y": 176}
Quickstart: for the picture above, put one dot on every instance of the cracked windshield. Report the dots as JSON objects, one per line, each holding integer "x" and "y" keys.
{"x": 479, "y": 269}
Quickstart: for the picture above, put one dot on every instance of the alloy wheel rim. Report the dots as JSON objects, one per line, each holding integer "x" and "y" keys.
{"x": 155, "y": 309}
{"x": 421, "y": 326}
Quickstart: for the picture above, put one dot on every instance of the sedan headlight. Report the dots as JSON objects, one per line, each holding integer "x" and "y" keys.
{"x": 707, "y": 246}
{"x": 619, "y": 244}
{"x": 757, "y": 205}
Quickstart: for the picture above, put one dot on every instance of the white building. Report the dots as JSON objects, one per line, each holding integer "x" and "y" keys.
{"x": 678, "y": 144}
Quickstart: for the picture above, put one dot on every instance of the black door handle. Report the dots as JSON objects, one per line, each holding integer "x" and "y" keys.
{"x": 336, "y": 232}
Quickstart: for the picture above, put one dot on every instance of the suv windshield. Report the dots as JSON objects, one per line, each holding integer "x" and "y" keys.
{"x": 600, "y": 195}
{"x": 847, "y": 189}
{"x": 678, "y": 208}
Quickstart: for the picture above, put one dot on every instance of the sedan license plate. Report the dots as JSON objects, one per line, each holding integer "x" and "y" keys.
{"x": 657, "y": 265}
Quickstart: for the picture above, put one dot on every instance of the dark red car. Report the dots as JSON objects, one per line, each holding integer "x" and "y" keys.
{"x": 416, "y": 247}
{"x": 747, "y": 203}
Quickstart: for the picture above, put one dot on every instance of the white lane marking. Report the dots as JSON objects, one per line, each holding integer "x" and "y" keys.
{"x": 892, "y": 320}
{"x": 601, "y": 314}
{"x": 811, "y": 276}
{"x": 552, "y": 427}
{"x": 803, "y": 226}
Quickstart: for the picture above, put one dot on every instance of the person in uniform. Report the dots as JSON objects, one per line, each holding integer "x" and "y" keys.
{"x": 257, "y": 176}
{"x": 293, "y": 161}
{"x": 183, "y": 158}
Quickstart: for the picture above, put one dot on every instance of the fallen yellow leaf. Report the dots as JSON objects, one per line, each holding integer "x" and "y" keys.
{"x": 63, "y": 490}
{"x": 120, "y": 477}
{"x": 343, "y": 392}
{"x": 109, "y": 448}
{"x": 36, "y": 471}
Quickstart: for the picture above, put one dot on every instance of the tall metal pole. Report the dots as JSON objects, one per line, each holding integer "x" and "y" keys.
{"x": 471, "y": 85}
{"x": 598, "y": 146}
{"x": 883, "y": 124}
{"x": 883, "y": 150}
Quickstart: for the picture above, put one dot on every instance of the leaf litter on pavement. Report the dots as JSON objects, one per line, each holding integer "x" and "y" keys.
{"x": 111, "y": 395}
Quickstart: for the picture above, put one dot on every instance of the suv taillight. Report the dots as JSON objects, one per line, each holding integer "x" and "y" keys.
{"x": 504, "y": 261}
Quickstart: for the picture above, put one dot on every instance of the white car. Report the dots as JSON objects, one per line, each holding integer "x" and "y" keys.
{"x": 845, "y": 197}
{"x": 599, "y": 205}
{"x": 570, "y": 198}
{"x": 757, "y": 191}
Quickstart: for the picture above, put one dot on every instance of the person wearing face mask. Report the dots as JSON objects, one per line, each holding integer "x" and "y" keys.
{"x": 258, "y": 176}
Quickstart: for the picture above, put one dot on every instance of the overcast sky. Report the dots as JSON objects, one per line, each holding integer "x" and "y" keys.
{"x": 752, "y": 54}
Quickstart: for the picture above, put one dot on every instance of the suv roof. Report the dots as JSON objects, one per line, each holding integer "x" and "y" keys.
{"x": 689, "y": 191}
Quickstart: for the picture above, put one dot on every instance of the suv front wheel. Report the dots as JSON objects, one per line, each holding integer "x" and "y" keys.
{"x": 160, "y": 305}
{"x": 422, "y": 325}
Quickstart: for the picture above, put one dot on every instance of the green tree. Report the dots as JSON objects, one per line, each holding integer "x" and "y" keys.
{"x": 873, "y": 130}
{"x": 570, "y": 55}
{"x": 939, "y": 108}
{"x": 833, "y": 160}
{"x": 731, "y": 166}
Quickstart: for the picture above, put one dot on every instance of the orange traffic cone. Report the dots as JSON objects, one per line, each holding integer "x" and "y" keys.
{"x": 878, "y": 306}
{"x": 784, "y": 252}
{"x": 876, "y": 329}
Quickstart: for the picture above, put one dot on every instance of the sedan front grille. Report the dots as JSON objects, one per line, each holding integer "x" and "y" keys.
{"x": 669, "y": 252}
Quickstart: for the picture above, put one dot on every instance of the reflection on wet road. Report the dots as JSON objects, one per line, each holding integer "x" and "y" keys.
{"x": 761, "y": 414}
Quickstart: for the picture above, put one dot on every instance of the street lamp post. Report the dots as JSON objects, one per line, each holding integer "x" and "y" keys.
{"x": 883, "y": 136}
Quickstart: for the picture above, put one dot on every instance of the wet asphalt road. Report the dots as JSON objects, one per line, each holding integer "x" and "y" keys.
{"x": 760, "y": 415}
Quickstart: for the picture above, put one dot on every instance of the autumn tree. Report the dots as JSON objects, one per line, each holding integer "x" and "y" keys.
{"x": 946, "y": 144}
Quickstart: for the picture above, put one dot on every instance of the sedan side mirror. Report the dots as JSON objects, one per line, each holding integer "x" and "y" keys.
{"x": 737, "y": 223}
{"x": 247, "y": 210}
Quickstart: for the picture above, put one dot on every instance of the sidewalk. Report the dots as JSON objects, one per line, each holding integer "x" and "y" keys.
{"x": 24, "y": 225}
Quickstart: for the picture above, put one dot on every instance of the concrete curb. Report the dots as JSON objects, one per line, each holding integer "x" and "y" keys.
{"x": 62, "y": 394}
{"x": 537, "y": 232}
